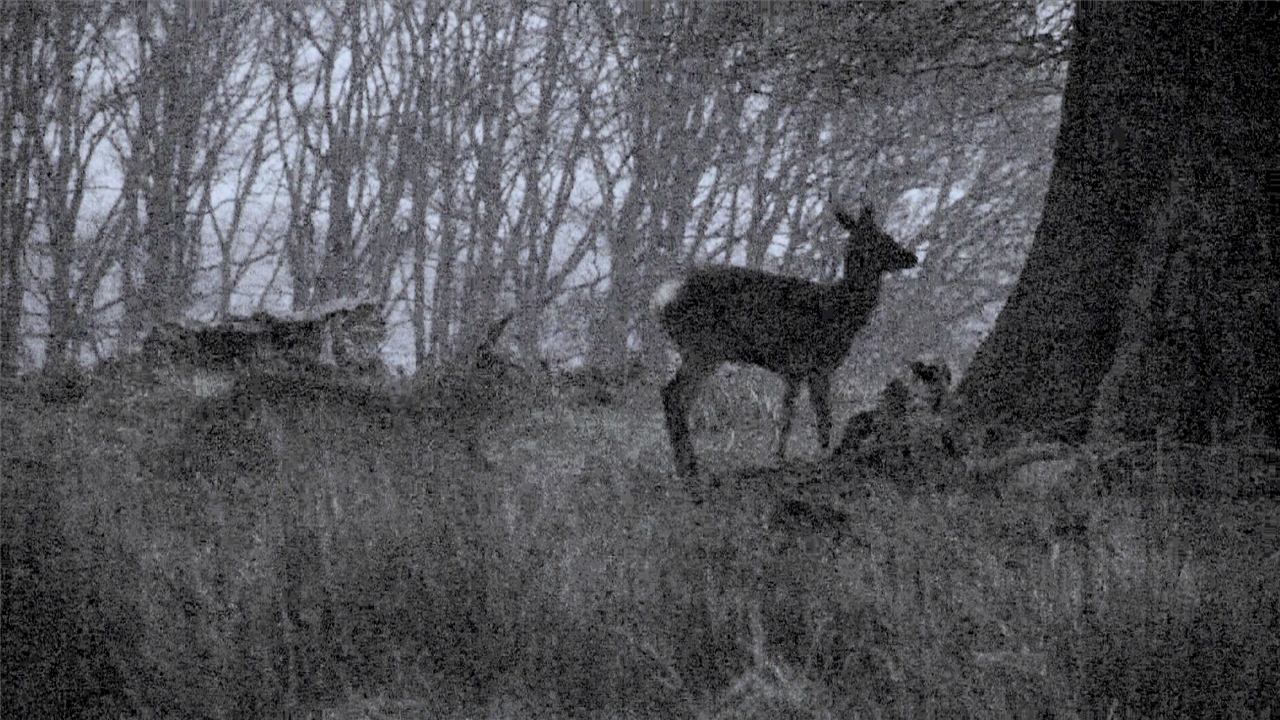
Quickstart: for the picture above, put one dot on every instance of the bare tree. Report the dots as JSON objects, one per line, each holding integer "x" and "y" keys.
{"x": 660, "y": 125}
{"x": 58, "y": 137}
{"x": 325, "y": 105}
{"x": 179, "y": 121}
{"x": 496, "y": 168}
{"x": 551, "y": 147}
{"x": 23, "y": 83}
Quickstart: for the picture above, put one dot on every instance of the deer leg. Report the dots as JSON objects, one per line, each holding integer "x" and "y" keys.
{"x": 820, "y": 398}
{"x": 788, "y": 409}
{"x": 677, "y": 398}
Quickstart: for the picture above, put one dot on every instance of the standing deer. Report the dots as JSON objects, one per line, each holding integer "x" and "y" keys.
{"x": 798, "y": 329}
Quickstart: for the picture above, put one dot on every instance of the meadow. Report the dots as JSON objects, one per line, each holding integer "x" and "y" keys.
{"x": 214, "y": 548}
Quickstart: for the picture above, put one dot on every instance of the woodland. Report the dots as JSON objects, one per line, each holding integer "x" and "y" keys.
{"x": 454, "y": 163}
{"x": 330, "y": 383}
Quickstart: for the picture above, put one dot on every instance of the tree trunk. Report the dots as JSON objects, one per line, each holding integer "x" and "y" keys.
{"x": 1150, "y": 301}
{"x": 21, "y": 95}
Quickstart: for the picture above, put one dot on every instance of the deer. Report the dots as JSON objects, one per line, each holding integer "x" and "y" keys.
{"x": 796, "y": 328}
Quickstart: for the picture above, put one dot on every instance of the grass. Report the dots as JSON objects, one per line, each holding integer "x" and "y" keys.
{"x": 312, "y": 552}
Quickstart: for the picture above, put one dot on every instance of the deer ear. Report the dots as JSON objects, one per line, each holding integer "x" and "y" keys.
{"x": 842, "y": 214}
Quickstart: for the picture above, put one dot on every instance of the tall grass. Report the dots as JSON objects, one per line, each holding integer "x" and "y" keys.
{"x": 301, "y": 551}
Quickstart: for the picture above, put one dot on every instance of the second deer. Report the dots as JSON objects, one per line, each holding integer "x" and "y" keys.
{"x": 798, "y": 329}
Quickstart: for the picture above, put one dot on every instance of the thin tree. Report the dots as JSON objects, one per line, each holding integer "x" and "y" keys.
{"x": 22, "y": 86}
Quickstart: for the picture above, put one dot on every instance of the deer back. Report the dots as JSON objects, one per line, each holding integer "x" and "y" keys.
{"x": 788, "y": 325}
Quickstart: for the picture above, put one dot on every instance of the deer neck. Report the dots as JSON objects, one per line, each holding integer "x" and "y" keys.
{"x": 859, "y": 281}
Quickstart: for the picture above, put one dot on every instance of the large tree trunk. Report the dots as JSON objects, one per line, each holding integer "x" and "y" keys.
{"x": 1150, "y": 301}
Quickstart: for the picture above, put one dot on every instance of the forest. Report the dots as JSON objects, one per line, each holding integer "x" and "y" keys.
{"x": 355, "y": 357}
{"x": 455, "y": 162}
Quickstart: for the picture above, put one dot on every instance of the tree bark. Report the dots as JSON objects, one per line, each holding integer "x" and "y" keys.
{"x": 1150, "y": 301}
